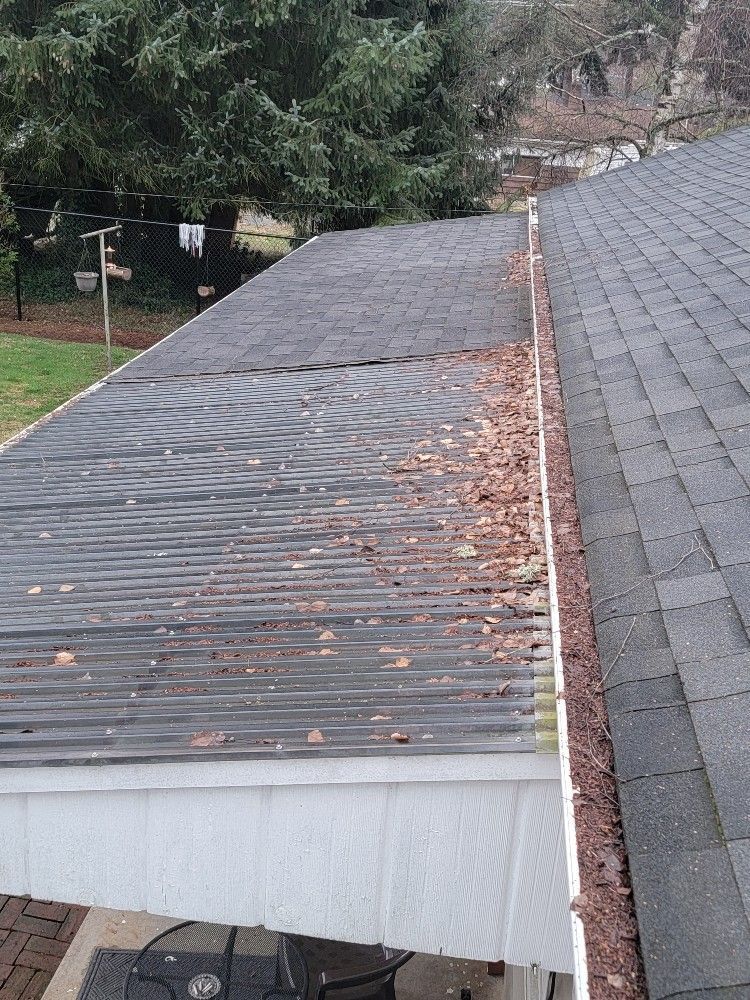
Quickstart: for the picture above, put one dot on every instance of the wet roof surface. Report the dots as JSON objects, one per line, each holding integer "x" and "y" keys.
{"x": 265, "y": 556}
{"x": 649, "y": 274}
{"x": 396, "y": 292}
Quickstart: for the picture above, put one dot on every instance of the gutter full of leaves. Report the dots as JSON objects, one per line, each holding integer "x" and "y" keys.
{"x": 571, "y": 847}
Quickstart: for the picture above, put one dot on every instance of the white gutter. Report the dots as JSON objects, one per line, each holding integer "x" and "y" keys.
{"x": 569, "y": 830}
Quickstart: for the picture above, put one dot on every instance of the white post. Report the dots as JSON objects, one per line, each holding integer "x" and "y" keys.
{"x": 105, "y": 300}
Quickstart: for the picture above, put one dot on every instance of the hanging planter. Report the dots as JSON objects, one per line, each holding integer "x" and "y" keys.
{"x": 206, "y": 291}
{"x": 86, "y": 280}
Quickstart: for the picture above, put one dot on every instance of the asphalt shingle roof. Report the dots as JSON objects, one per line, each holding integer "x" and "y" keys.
{"x": 362, "y": 295}
{"x": 649, "y": 274}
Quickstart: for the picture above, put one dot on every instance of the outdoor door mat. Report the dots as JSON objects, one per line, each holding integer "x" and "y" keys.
{"x": 105, "y": 977}
{"x": 106, "y": 973}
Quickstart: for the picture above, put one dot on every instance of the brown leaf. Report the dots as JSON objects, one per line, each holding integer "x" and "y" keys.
{"x": 380, "y": 718}
{"x": 328, "y": 652}
{"x": 45, "y": 534}
{"x": 206, "y": 738}
{"x": 64, "y": 658}
{"x": 341, "y": 502}
{"x": 312, "y": 606}
{"x": 402, "y": 661}
{"x": 388, "y": 649}
{"x": 326, "y": 635}
{"x": 610, "y": 860}
{"x": 97, "y": 618}
{"x": 400, "y": 737}
{"x": 492, "y": 620}
{"x": 617, "y": 981}
{"x": 579, "y": 903}
{"x": 253, "y": 461}
{"x": 67, "y": 587}
{"x": 315, "y": 736}
{"x": 34, "y": 590}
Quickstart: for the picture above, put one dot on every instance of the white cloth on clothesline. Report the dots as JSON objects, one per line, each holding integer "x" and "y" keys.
{"x": 191, "y": 238}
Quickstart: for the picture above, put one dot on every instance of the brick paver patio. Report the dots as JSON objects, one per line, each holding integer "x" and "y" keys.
{"x": 34, "y": 936}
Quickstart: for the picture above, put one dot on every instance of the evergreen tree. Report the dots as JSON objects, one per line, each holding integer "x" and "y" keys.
{"x": 376, "y": 102}
{"x": 8, "y": 237}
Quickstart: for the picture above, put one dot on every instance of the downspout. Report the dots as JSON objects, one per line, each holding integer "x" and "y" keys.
{"x": 580, "y": 973}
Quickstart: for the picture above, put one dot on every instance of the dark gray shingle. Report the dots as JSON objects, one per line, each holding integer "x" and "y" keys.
{"x": 665, "y": 245}
{"x": 369, "y": 294}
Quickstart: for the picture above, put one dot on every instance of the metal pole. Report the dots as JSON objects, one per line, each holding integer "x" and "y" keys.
{"x": 105, "y": 300}
{"x": 17, "y": 273}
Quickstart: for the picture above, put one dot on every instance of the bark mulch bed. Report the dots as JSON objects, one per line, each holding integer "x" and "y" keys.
{"x": 79, "y": 333}
{"x": 606, "y": 903}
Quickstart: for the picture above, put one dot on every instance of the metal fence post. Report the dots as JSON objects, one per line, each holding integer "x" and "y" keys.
{"x": 17, "y": 275}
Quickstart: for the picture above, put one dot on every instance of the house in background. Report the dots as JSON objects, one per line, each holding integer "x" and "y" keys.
{"x": 569, "y": 136}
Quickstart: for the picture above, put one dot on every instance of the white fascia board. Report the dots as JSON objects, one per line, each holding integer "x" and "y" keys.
{"x": 505, "y": 766}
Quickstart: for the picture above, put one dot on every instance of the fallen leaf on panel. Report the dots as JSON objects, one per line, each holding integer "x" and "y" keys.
{"x": 206, "y": 738}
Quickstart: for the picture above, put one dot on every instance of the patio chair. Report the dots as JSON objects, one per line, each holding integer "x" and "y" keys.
{"x": 375, "y": 979}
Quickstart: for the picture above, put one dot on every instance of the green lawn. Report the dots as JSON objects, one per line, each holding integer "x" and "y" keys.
{"x": 37, "y": 375}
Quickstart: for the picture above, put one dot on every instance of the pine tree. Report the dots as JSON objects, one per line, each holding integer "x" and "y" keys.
{"x": 348, "y": 102}
{"x": 8, "y": 237}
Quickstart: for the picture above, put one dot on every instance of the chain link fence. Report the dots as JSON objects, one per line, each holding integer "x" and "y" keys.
{"x": 166, "y": 285}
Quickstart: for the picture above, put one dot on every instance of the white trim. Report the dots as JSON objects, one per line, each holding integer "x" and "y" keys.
{"x": 569, "y": 829}
{"x": 501, "y": 766}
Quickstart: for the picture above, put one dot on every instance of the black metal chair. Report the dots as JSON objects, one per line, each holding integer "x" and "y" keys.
{"x": 341, "y": 971}
{"x": 194, "y": 961}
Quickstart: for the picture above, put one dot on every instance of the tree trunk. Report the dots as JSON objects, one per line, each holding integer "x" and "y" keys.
{"x": 566, "y": 85}
{"x": 629, "y": 80}
{"x": 677, "y": 73}
{"x": 220, "y": 225}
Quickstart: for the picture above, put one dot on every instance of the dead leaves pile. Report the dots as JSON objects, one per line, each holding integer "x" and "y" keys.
{"x": 497, "y": 476}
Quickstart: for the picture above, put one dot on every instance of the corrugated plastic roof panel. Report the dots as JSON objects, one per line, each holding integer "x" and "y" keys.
{"x": 280, "y": 559}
